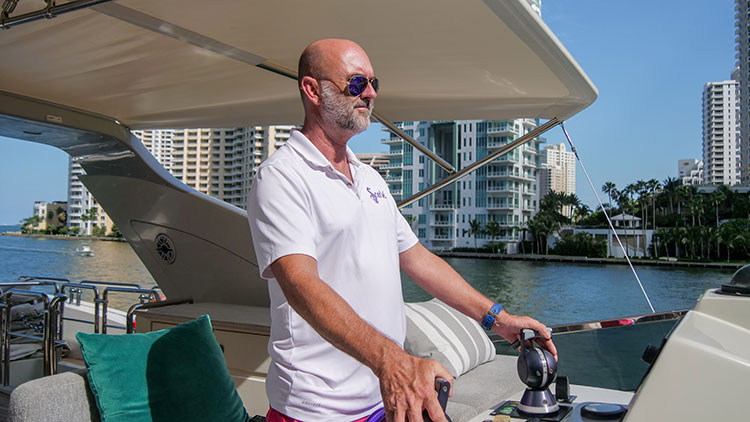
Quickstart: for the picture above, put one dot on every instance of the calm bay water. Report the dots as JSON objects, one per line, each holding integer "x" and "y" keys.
{"x": 112, "y": 261}
{"x": 557, "y": 293}
{"x": 554, "y": 293}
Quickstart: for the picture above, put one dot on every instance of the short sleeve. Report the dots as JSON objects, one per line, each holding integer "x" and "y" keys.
{"x": 405, "y": 235}
{"x": 279, "y": 217}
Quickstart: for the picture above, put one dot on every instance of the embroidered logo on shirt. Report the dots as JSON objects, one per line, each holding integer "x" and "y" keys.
{"x": 375, "y": 195}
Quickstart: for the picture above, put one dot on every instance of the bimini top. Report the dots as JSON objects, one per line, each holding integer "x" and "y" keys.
{"x": 194, "y": 63}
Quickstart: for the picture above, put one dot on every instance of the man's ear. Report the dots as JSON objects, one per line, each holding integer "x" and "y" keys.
{"x": 311, "y": 89}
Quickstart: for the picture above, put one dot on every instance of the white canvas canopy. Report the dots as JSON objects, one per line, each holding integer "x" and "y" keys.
{"x": 80, "y": 81}
{"x": 193, "y": 63}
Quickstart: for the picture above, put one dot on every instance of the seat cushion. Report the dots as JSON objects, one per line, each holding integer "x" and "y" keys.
{"x": 176, "y": 374}
{"x": 436, "y": 331}
{"x": 485, "y": 387}
{"x": 64, "y": 397}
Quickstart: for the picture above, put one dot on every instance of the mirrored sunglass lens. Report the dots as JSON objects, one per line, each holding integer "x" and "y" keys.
{"x": 357, "y": 85}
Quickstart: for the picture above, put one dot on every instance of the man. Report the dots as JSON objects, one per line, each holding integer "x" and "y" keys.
{"x": 331, "y": 242}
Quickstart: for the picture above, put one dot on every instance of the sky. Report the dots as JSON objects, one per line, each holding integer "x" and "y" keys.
{"x": 649, "y": 60}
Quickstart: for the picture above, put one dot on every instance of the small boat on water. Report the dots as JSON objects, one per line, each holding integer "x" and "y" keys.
{"x": 83, "y": 81}
{"x": 84, "y": 250}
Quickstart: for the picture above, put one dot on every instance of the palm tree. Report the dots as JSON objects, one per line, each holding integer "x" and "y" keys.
{"x": 574, "y": 203}
{"x": 717, "y": 197}
{"x": 493, "y": 230}
{"x": 641, "y": 188}
{"x": 609, "y": 188}
{"x": 670, "y": 186}
{"x": 654, "y": 186}
{"x": 582, "y": 212}
{"x": 28, "y": 224}
{"x": 474, "y": 229}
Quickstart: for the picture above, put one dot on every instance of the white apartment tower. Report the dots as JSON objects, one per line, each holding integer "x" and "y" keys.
{"x": 742, "y": 75}
{"x": 159, "y": 144}
{"x": 557, "y": 170}
{"x": 221, "y": 162}
{"x": 721, "y": 133}
{"x": 84, "y": 213}
{"x": 690, "y": 171}
{"x": 504, "y": 190}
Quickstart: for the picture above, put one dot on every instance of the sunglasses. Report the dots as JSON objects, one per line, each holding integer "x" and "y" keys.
{"x": 358, "y": 84}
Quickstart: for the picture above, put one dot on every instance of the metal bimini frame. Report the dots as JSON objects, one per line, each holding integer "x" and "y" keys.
{"x": 453, "y": 174}
{"x": 48, "y": 12}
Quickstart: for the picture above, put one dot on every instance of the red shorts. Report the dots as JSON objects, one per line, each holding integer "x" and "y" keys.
{"x": 274, "y": 416}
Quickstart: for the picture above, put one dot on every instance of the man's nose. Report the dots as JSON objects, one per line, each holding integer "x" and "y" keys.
{"x": 369, "y": 92}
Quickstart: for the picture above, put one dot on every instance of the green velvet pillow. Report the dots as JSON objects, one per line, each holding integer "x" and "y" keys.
{"x": 177, "y": 374}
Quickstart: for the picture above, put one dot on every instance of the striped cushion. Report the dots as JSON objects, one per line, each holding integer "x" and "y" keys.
{"x": 434, "y": 330}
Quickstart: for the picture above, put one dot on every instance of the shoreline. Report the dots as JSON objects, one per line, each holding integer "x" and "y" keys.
{"x": 64, "y": 237}
{"x": 587, "y": 260}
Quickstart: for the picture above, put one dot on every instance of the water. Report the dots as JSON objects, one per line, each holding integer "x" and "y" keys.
{"x": 554, "y": 293}
{"x": 559, "y": 293}
{"x": 112, "y": 261}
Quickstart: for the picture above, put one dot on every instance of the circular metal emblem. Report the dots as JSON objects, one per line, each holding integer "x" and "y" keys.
{"x": 165, "y": 248}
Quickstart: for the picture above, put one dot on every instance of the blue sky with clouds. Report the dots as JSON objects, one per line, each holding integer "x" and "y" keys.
{"x": 649, "y": 60}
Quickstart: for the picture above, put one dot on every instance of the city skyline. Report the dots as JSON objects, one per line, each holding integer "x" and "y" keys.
{"x": 649, "y": 60}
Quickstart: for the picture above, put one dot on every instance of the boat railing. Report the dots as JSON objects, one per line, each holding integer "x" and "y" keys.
{"x": 130, "y": 316}
{"x": 101, "y": 301}
{"x": 145, "y": 296}
{"x": 605, "y": 353}
{"x": 51, "y": 337}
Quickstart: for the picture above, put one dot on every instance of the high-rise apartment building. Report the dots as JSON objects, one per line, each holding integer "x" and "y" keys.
{"x": 221, "y": 162}
{"x": 742, "y": 75}
{"x": 84, "y": 214}
{"x": 721, "y": 133}
{"x": 557, "y": 170}
{"x": 690, "y": 171}
{"x": 504, "y": 190}
{"x": 159, "y": 144}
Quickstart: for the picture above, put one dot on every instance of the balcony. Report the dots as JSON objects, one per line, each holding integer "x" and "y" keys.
{"x": 441, "y": 237}
{"x": 391, "y": 166}
{"x": 394, "y": 179}
{"x": 501, "y": 190}
{"x": 442, "y": 207}
{"x": 392, "y": 141}
{"x": 394, "y": 153}
{"x": 507, "y": 130}
{"x": 501, "y": 206}
{"x": 442, "y": 223}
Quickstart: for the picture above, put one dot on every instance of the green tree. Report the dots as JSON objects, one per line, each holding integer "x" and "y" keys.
{"x": 610, "y": 189}
{"x": 493, "y": 230}
{"x": 475, "y": 228}
{"x": 670, "y": 186}
{"x": 28, "y": 225}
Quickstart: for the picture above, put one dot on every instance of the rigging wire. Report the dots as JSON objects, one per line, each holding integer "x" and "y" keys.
{"x": 575, "y": 151}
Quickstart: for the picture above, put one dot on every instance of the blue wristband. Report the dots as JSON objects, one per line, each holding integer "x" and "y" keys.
{"x": 489, "y": 319}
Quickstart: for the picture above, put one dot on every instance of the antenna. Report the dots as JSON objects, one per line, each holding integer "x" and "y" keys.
{"x": 601, "y": 205}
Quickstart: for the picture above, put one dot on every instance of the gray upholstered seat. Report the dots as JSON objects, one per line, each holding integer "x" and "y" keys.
{"x": 64, "y": 397}
{"x": 484, "y": 387}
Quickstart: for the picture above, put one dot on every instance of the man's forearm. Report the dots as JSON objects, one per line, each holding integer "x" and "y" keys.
{"x": 440, "y": 280}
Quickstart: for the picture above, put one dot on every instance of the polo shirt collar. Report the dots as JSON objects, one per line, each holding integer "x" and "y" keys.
{"x": 312, "y": 155}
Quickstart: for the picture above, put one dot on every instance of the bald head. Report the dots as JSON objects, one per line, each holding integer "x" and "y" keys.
{"x": 323, "y": 57}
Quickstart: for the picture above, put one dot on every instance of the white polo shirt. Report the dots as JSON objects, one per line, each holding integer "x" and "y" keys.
{"x": 299, "y": 204}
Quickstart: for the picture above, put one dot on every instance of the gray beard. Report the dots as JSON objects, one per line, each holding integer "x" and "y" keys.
{"x": 338, "y": 110}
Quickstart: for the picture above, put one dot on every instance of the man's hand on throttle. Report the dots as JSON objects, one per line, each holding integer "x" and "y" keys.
{"x": 407, "y": 385}
{"x": 509, "y": 327}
